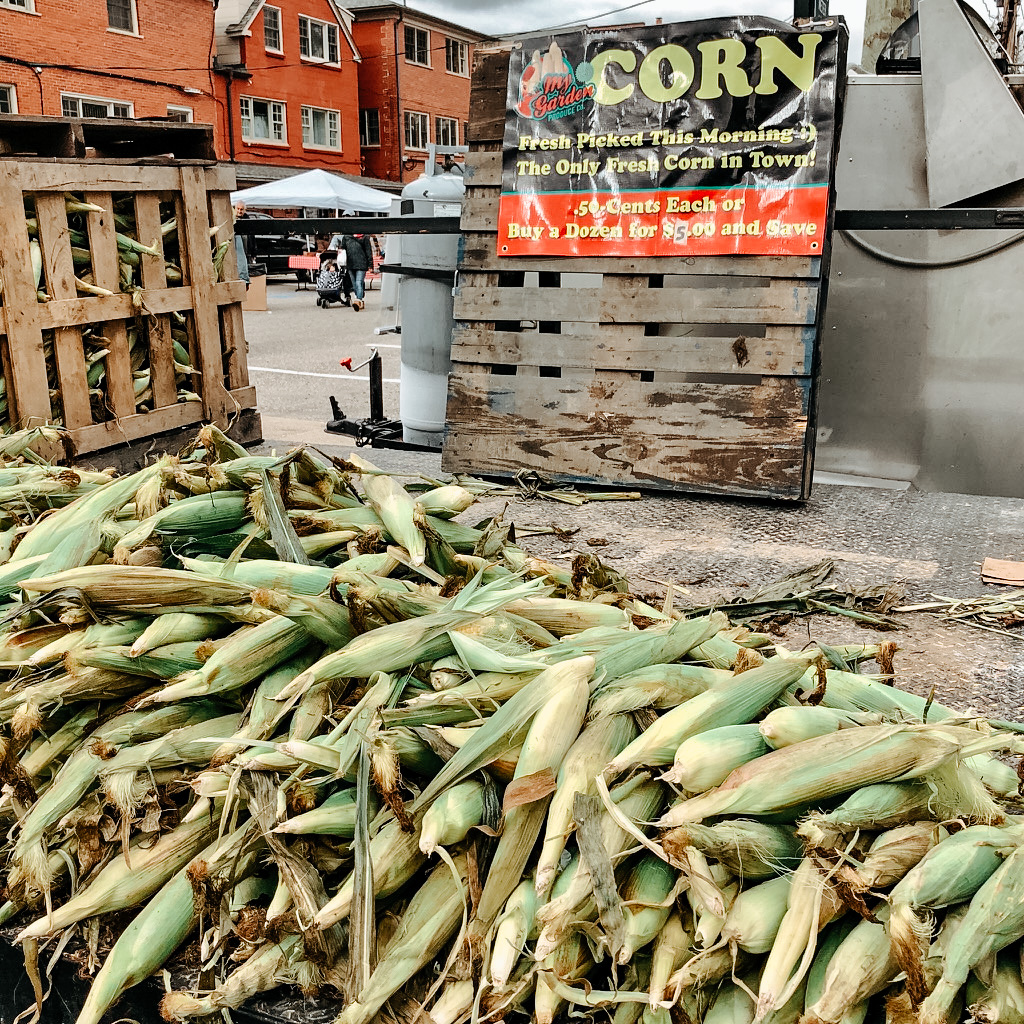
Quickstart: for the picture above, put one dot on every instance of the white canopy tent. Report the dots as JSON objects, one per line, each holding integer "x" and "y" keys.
{"x": 317, "y": 189}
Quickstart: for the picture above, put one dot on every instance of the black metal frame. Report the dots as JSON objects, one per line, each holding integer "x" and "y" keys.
{"x": 954, "y": 219}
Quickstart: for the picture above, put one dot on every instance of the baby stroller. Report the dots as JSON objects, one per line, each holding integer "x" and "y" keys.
{"x": 333, "y": 285}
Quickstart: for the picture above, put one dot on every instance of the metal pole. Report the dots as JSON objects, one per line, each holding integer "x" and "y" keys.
{"x": 376, "y": 388}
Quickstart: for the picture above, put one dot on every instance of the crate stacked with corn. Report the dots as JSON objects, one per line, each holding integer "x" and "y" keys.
{"x": 283, "y": 722}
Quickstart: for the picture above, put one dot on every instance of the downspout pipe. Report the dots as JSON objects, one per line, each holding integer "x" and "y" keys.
{"x": 399, "y": 127}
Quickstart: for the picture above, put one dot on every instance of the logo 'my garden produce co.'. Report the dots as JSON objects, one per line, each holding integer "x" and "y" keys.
{"x": 709, "y": 138}
{"x": 550, "y": 88}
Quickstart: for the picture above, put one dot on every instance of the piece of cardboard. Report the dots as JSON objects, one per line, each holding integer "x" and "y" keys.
{"x": 256, "y": 296}
{"x": 999, "y": 570}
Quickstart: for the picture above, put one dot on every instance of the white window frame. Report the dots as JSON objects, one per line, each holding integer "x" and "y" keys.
{"x": 12, "y": 96}
{"x": 463, "y": 51}
{"x": 451, "y": 123}
{"x": 246, "y": 102}
{"x": 307, "y": 123}
{"x": 363, "y": 133}
{"x": 329, "y": 33}
{"x": 280, "y": 30}
{"x": 424, "y": 123}
{"x": 426, "y": 46}
{"x": 174, "y": 108}
{"x": 25, "y": 6}
{"x": 109, "y": 103}
{"x": 134, "y": 30}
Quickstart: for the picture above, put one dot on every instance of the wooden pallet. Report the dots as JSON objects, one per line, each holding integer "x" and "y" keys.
{"x": 682, "y": 374}
{"x": 212, "y": 308}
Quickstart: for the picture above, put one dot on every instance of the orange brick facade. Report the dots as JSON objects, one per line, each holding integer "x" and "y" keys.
{"x": 80, "y": 58}
{"x": 394, "y": 84}
{"x": 283, "y": 79}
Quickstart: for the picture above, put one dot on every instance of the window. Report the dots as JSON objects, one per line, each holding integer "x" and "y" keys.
{"x": 8, "y": 100}
{"x": 321, "y": 128}
{"x": 369, "y": 127}
{"x": 92, "y": 106}
{"x": 262, "y": 120}
{"x": 417, "y": 130}
{"x": 417, "y": 46}
{"x": 318, "y": 40}
{"x": 21, "y": 5}
{"x": 272, "y": 28}
{"x": 446, "y": 131}
{"x": 456, "y": 56}
{"x": 180, "y": 113}
{"x": 121, "y": 15}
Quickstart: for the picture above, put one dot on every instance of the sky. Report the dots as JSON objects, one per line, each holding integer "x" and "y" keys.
{"x": 526, "y": 17}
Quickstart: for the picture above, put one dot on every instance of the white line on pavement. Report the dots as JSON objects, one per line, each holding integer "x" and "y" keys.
{"x": 377, "y": 344}
{"x": 330, "y": 376}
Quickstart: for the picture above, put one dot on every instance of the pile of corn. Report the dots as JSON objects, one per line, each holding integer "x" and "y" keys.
{"x": 283, "y": 722}
{"x": 131, "y": 249}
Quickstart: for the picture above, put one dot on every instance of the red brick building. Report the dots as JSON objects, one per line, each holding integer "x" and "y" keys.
{"x": 107, "y": 58}
{"x": 413, "y": 86}
{"x": 287, "y": 87}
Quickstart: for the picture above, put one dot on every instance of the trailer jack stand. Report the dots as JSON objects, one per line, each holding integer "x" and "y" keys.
{"x": 375, "y": 431}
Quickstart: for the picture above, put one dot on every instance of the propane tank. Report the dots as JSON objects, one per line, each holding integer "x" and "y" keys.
{"x": 426, "y": 305}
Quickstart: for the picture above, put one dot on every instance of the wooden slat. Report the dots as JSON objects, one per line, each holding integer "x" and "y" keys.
{"x": 106, "y": 272}
{"x": 131, "y": 428}
{"x": 161, "y": 343}
{"x": 627, "y": 300}
{"x": 480, "y": 209}
{"x": 81, "y": 176}
{"x": 693, "y": 347}
{"x": 480, "y": 253}
{"x": 746, "y": 439}
{"x": 483, "y": 166}
{"x": 232, "y": 329}
{"x": 59, "y": 270}
{"x": 27, "y": 389}
{"x": 94, "y": 308}
{"x": 487, "y": 95}
{"x": 196, "y": 240}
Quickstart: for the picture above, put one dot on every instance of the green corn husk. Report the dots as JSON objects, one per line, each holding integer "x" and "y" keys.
{"x": 672, "y": 948}
{"x": 831, "y": 938}
{"x": 446, "y": 502}
{"x": 450, "y": 817}
{"x": 321, "y": 617}
{"x": 999, "y": 998}
{"x": 862, "y": 965}
{"x": 785, "y": 726}
{"x": 655, "y": 686}
{"x": 599, "y": 741}
{"x": 647, "y": 900}
{"x": 52, "y": 750}
{"x": 552, "y": 733}
{"x": 752, "y": 922}
{"x": 176, "y": 627}
{"x": 397, "y": 510}
{"x": 891, "y": 855}
{"x": 96, "y": 635}
{"x": 516, "y": 925}
{"x": 569, "y": 962}
{"x": 707, "y": 759}
{"x": 733, "y": 704}
{"x": 654, "y": 646}
{"x": 950, "y": 873}
{"x": 822, "y": 767}
{"x": 429, "y": 921}
{"x": 264, "y": 573}
{"x": 994, "y": 920}
{"x": 121, "y": 884}
{"x": 159, "y": 663}
{"x": 336, "y": 816}
{"x": 162, "y": 925}
{"x": 243, "y": 658}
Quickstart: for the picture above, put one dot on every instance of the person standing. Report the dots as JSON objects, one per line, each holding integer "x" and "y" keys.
{"x": 358, "y": 260}
{"x": 241, "y": 256}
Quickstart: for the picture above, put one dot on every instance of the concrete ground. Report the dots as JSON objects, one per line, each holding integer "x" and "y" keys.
{"x": 706, "y": 548}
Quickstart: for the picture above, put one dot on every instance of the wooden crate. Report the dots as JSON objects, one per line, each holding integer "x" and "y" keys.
{"x": 668, "y": 373}
{"x": 199, "y": 193}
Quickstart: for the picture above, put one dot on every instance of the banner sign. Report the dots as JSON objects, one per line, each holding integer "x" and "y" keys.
{"x": 701, "y": 139}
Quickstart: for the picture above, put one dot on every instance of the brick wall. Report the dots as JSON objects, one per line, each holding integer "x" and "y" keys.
{"x": 106, "y": 64}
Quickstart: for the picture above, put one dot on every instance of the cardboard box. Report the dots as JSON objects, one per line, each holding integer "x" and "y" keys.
{"x": 256, "y": 297}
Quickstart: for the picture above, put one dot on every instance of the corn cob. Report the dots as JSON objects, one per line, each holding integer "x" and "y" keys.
{"x": 671, "y": 950}
{"x": 999, "y": 997}
{"x": 785, "y": 726}
{"x": 450, "y": 817}
{"x": 706, "y": 760}
{"x": 880, "y": 805}
{"x": 755, "y": 916}
{"x": 516, "y": 924}
{"x": 569, "y": 962}
{"x": 655, "y": 686}
{"x": 648, "y": 897}
{"x": 831, "y": 938}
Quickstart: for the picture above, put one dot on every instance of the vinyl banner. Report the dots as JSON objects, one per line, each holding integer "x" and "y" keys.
{"x": 699, "y": 139}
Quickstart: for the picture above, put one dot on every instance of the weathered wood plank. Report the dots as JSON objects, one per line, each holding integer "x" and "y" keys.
{"x": 627, "y": 299}
{"x": 693, "y": 348}
{"x": 161, "y": 344}
{"x": 106, "y": 272}
{"x": 483, "y": 166}
{"x": 742, "y": 439}
{"x": 480, "y": 253}
{"x": 487, "y": 96}
{"x": 196, "y": 241}
{"x": 480, "y": 209}
{"x": 27, "y": 389}
{"x": 80, "y": 176}
{"x": 232, "y": 327}
{"x": 59, "y": 270}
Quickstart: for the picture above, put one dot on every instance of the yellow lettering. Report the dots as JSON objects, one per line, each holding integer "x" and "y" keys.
{"x": 776, "y": 56}
{"x": 721, "y": 59}
{"x": 607, "y": 94}
{"x": 651, "y": 82}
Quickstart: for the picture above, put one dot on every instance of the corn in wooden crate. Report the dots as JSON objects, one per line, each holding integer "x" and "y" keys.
{"x": 120, "y": 315}
{"x": 669, "y": 373}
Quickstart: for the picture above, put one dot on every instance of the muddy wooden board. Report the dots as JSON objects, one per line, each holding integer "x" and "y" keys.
{"x": 670, "y": 373}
